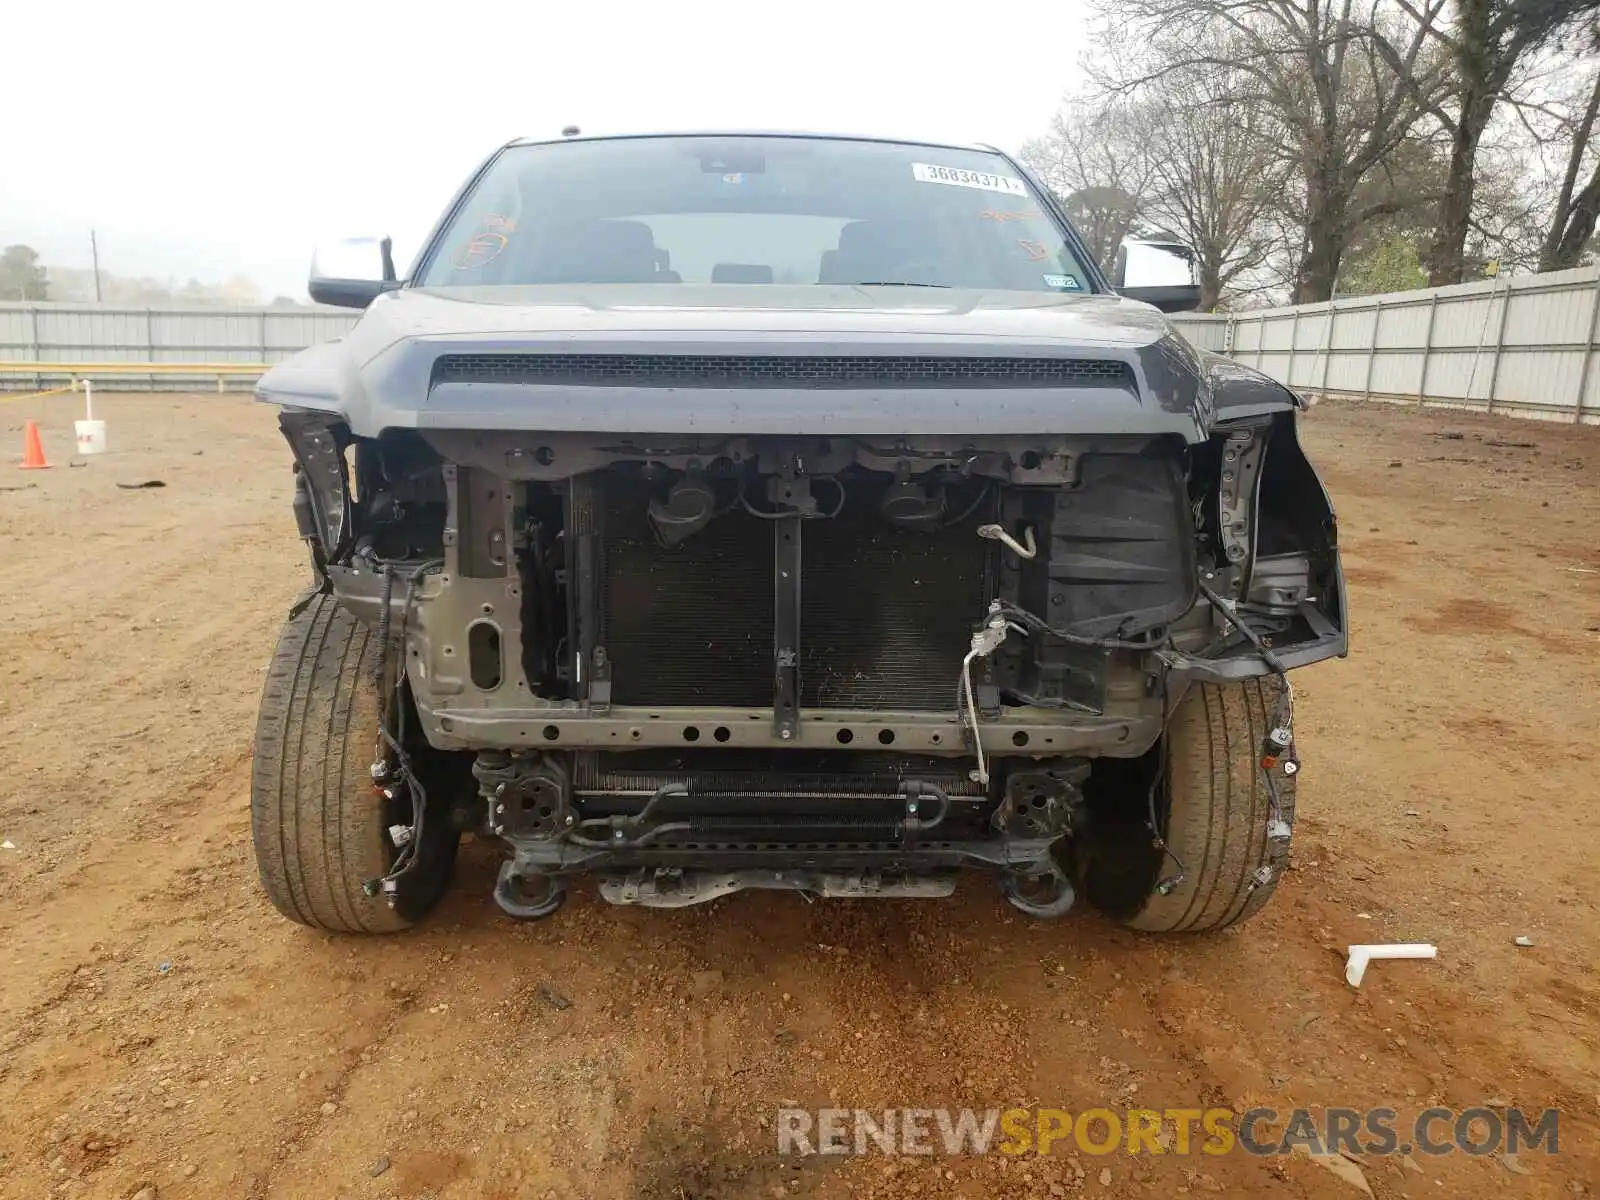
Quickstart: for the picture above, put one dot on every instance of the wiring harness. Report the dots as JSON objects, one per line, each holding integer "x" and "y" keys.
{"x": 1277, "y": 747}
{"x": 388, "y": 777}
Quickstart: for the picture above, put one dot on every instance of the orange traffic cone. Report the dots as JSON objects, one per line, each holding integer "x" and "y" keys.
{"x": 32, "y": 449}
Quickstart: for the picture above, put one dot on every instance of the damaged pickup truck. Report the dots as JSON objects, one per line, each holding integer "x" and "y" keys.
{"x": 747, "y": 511}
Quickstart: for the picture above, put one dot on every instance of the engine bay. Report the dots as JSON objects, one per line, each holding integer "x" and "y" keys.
{"x": 596, "y": 592}
{"x": 848, "y": 666}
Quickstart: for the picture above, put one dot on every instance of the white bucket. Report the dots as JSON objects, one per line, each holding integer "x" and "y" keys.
{"x": 91, "y": 436}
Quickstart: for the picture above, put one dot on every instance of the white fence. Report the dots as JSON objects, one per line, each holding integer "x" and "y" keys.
{"x": 107, "y": 334}
{"x": 1523, "y": 345}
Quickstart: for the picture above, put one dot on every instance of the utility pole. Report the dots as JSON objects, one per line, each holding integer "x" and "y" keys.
{"x": 94, "y": 253}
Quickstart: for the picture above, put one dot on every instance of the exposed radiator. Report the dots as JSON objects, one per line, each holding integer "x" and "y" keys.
{"x": 886, "y": 613}
{"x": 691, "y": 623}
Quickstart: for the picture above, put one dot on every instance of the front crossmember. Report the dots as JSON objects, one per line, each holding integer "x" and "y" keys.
{"x": 681, "y": 847}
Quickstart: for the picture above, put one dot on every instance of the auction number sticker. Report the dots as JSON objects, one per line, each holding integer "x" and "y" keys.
{"x": 961, "y": 177}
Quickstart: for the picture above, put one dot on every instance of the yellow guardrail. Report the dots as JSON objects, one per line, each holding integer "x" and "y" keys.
{"x": 71, "y": 387}
{"x": 78, "y": 370}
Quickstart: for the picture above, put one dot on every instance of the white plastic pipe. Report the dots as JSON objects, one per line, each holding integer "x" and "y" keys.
{"x": 997, "y": 533}
{"x": 1360, "y": 956}
{"x": 91, "y": 433}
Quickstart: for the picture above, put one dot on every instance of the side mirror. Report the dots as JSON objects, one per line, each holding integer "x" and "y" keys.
{"x": 352, "y": 273}
{"x": 1158, "y": 273}
{"x": 1181, "y": 298}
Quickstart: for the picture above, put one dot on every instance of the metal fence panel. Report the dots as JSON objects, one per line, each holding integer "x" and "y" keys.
{"x": 1464, "y": 321}
{"x": 65, "y": 335}
{"x": 207, "y": 337}
{"x": 1278, "y": 330}
{"x": 1539, "y": 377}
{"x": 1309, "y": 332}
{"x": 1524, "y": 345}
{"x": 291, "y": 331}
{"x": 1209, "y": 331}
{"x": 92, "y": 333}
{"x": 1396, "y": 374}
{"x": 1355, "y": 329}
{"x": 1404, "y": 323}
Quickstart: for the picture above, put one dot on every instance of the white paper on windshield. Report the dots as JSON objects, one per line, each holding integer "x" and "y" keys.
{"x": 961, "y": 177}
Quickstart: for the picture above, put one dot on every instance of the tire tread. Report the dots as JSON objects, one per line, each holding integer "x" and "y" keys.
{"x": 1217, "y": 809}
{"x": 317, "y": 827}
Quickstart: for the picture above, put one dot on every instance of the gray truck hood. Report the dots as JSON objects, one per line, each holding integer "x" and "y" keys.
{"x": 381, "y": 375}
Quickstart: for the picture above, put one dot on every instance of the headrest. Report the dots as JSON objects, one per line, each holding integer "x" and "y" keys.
{"x": 741, "y": 273}
{"x": 597, "y": 252}
{"x": 878, "y": 250}
{"x": 878, "y": 239}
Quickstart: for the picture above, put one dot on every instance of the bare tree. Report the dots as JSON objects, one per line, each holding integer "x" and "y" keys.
{"x": 1577, "y": 208}
{"x": 1095, "y": 161}
{"x": 1510, "y": 208}
{"x": 1340, "y": 83}
{"x": 1217, "y": 176}
{"x": 1182, "y": 160}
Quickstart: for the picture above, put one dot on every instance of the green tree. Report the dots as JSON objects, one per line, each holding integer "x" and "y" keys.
{"x": 21, "y": 276}
{"x": 1389, "y": 265}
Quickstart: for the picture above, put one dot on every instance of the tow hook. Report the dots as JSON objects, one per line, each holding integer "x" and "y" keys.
{"x": 527, "y": 896}
{"x": 1045, "y": 894}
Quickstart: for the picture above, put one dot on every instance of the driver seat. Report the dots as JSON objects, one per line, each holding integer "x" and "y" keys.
{"x": 878, "y": 250}
{"x": 600, "y": 252}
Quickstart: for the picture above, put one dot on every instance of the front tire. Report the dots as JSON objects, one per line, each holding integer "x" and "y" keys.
{"x": 1212, "y": 805}
{"x": 321, "y": 830}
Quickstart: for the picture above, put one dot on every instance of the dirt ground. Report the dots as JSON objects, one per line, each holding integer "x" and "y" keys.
{"x": 161, "y": 1026}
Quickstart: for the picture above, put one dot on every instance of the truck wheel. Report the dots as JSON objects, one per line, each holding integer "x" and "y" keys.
{"x": 1213, "y": 807}
{"x": 321, "y": 829}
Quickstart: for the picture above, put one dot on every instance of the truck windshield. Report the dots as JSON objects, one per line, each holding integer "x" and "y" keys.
{"x": 752, "y": 210}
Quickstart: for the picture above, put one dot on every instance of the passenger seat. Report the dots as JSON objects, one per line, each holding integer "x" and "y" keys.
{"x": 878, "y": 250}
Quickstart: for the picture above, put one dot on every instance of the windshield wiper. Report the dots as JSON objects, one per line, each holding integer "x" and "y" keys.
{"x": 895, "y": 283}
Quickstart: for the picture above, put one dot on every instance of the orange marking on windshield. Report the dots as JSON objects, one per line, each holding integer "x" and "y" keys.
{"x": 482, "y": 249}
{"x": 1036, "y": 251}
{"x": 1001, "y": 216}
{"x": 486, "y": 245}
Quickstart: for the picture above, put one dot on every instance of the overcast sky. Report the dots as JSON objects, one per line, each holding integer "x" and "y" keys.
{"x": 204, "y": 139}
